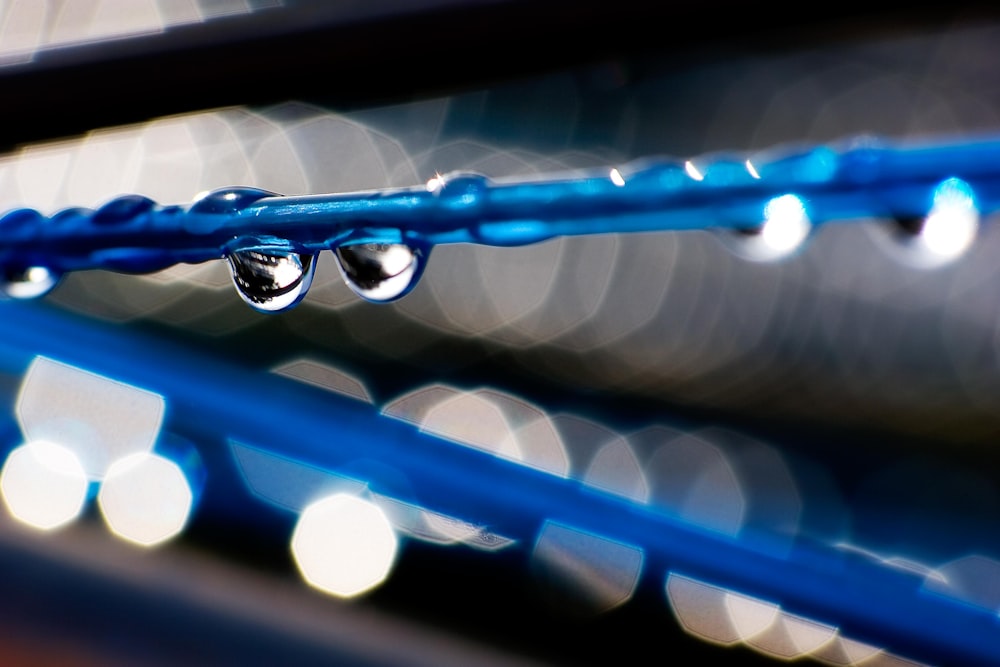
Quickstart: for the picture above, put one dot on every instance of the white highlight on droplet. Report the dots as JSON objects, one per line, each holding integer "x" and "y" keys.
{"x": 617, "y": 178}
{"x": 953, "y": 220}
{"x": 145, "y": 499}
{"x": 43, "y": 485}
{"x": 344, "y": 545}
{"x": 786, "y": 224}
{"x": 693, "y": 172}
{"x": 436, "y": 183}
{"x": 752, "y": 170}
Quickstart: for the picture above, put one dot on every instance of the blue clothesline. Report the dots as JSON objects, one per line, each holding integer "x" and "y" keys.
{"x": 383, "y": 238}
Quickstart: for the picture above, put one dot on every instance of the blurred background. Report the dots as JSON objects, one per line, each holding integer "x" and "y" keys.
{"x": 844, "y": 395}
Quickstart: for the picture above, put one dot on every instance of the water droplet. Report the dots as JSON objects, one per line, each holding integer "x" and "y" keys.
{"x": 271, "y": 281}
{"x": 380, "y": 272}
{"x": 951, "y": 224}
{"x": 947, "y": 231}
{"x": 122, "y": 210}
{"x": 460, "y": 191}
{"x": 27, "y": 283}
{"x": 785, "y": 227}
{"x": 21, "y": 218}
{"x": 228, "y": 200}
{"x": 73, "y": 215}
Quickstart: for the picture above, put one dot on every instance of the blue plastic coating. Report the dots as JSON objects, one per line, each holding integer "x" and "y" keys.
{"x": 861, "y": 179}
{"x": 869, "y": 601}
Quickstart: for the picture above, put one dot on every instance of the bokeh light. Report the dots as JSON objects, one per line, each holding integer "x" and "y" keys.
{"x": 98, "y": 418}
{"x": 43, "y": 484}
{"x": 715, "y": 614}
{"x": 588, "y": 573}
{"x": 784, "y": 228}
{"x": 951, "y": 225}
{"x": 344, "y": 545}
{"x": 27, "y": 28}
{"x": 145, "y": 499}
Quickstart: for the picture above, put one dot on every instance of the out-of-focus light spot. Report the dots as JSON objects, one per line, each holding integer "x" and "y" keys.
{"x": 33, "y": 282}
{"x": 792, "y": 637}
{"x": 325, "y": 377}
{"x": 490, "y": 420}
{"x": 716, "y": 614}
{"x": 750, "y": 616}
{"x": 786, "y": 224}
{"x": 423, "y": 524}
{"x": 974, "y": 579}
{"x": 785, "y": 227}
{"x": 752, "y": 170}
{"x": 693, "y": 478}
{"x": 951, "y": 225}
{"x": 615, "y": 469}
{"x": 344, "y": 545}
{"x": 585, "y": 568}
{"x": 145, "y": 499}
{"x": 436, "y": 183}
{"x": 693, "y": 172}
{"x": 844, "y": 651}
{"x": 29, "y": 27}
{"x": 100, "y": 419}
{"x": 943, "y": 235}
{"x": 285, "y": 482}
{"x": 617, "y": 178}
{"x": 414, "y": 406}
{"x": 43, "y": 485}
{"x": 474, "y": 421}
{"x": 773, "y": 501}
{"x": 532, "y": 432}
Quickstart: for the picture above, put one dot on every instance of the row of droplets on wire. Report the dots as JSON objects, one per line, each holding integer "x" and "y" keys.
{"x": 272, "y": 274}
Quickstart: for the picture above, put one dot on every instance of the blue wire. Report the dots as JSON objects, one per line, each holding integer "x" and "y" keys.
{"x": 864, "y": 179}
{"x": 866, "y": 600}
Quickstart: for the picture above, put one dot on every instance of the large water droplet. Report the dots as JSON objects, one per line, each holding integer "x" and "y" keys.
{"x": 271, "y": 281}
{"x": 380, "y": 272}
{"x": 27, "y": 283}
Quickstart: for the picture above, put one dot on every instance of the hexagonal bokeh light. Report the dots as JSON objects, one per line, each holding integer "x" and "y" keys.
{"x": 145, "y": 499}
{"x": 43, "y": 485}
{"x": 344, "y": 545}
{"x": 100, "y": 419}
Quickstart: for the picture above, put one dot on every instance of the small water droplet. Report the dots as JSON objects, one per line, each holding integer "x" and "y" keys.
{"x": 228, "y": 200}
{"x": 27, "y": 283}
{"x": 72, "y": 215}
{"x": 271, "y": 281}
{"x": 785, "y": 228}
{"x": 941, "y": 236}
{"x": 122, "y": 210}
{"x": 21, "y": 218}
{"x": 460, "y": 191}
{"x": 380, "y": 272}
